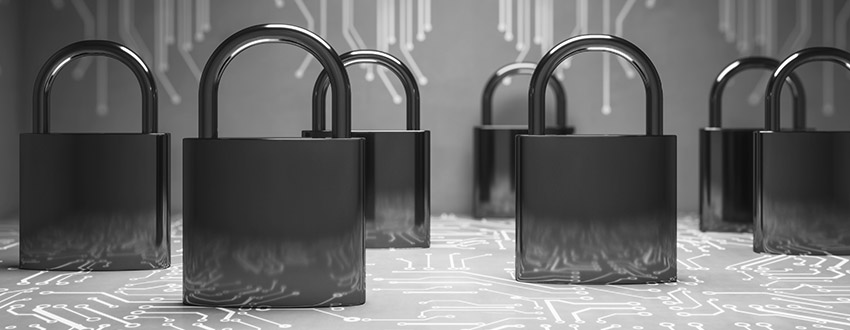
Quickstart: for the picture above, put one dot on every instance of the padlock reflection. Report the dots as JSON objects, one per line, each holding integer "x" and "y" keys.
{"x": 726, "y": 155}
{"x": 398, "y": 169}
{"x": 802, "y": 178}
{"x": 596, "y": 209}
{"x": 94, "y": 201}
{"x": 494, "y": 145}
{"x": 274, "y": 222}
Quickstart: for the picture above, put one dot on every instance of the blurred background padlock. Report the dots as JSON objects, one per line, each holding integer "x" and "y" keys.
{"x": 461, "y": 44}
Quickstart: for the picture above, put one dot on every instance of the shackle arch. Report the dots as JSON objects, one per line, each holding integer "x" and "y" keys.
{"x": 278, "y": 33}
{"x": 48, "y": 72}
{"x": 595, "y": 42}
{"x": 369, "y": 56}
{"x": 786, "y": 68}
{"x": 715, "y": 102}
{"x": 521, "y": 68}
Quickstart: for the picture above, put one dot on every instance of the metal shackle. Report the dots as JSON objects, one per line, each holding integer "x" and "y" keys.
{"x": 50, "y": 69}
{"x": 715, "y": 101}
{"x": 785, "y": 69}
{"x": 521, "y": 68}
{"x": 368, "y": 56}
{"x": 599, "y": 42}
{"x": 268, "y": 33}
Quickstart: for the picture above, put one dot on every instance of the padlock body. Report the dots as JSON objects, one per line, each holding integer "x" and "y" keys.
{"x": 94, "y": 201}
{"x": 398, "y": 187}
{"x": 273, "y": 222}
{"x": 802, "y": 193}
{"x": 494, "y": 193}
{"x": 596, "y": 209}
{"x": 726, "y": 179}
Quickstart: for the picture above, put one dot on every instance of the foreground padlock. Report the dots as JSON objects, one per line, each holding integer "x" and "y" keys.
{"x": 494, "y": 194}
{"x": 596, "y": 209}
{"x": 398, "y": 176}
{"x": 726, "y": 155}
{"x": 274, "y": 222}
{"x": 802, "y": 178}
{"x": 94, "y": 201}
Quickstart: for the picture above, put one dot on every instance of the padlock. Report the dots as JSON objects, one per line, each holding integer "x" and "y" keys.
{"x": 494, "y": 194}
{"x": 726, "y": 155}
{"x": 802, "y": 178}
{"x": 275, "y": 222}
{"x": 94, "y": 201}
{"x": 596, "y": 209}
{"x": 398, "y": 176}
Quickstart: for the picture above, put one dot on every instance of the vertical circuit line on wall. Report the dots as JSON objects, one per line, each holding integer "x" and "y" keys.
{"x": 651, "y": 3}
{"x": 58, "y": 4}
{"x": 128, "y": 32}
{"x": 405, "y": 42}
{"x": 744, "y": 27}
{"x": 509, "y": 17}
{"x": 828, "y": 72}
{"x": 723, "y": 19}
{"x": 88, "y": 32}
{"x": 841, "y": 27}
{"x": 618, "y": 30}
{"x": 576, "y": 31}
{"x": 761, "y": 23}
{"x": 102, "y": 87}
{"x": 200, "y": 17}
{"x": 420, "y": 20}
{"x": 428, "y": 23}
{"x": 280, "y": 3}
{"x": 730, "y": 21}
{"x": 501, "y": 25}
{"x": 768, "y": 22}
{"x": 606, "y": 60}
{"x": 311, "y": 24}
{"x": 538, "y": 22}
{"x": 352, "y": 37}
{"x": 523, "y": 44}
{"x": 382, "y": 38}
{"x": 184, "y": 37}
{"x": 160, "y": 50}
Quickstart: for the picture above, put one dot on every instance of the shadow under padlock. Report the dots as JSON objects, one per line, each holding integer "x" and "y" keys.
{"x": 274, "y": 222}
{"x": 398, "y": 175}
{"x": 596, "y": 209}
{"x": 726, "y": 155}
{"x": 802, "y": 178}
{"x": 94, "y": 201}
{"x": 494, "y": 167}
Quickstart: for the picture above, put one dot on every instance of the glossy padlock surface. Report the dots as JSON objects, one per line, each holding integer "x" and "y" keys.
{"x": 596, "y": 209}
{"x": 726, "y": 155}
{"x": 494, "y": 194}
{"x": 802, "y": 178}
{"x": 274, "y": 222}
{"x": 398, "y": 176}
{"x": 94, "y": 201}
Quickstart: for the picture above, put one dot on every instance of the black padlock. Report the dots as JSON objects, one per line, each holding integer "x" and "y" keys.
{"x": 94, "y": 201}
{"x": 596, "y": 209}
{"x": 398, "y": 175}
{"x": 494, "y": 194}
{"x": 726, "y": 155}
{"x": 802, "y": 178}
{"x": 274, "y": 222}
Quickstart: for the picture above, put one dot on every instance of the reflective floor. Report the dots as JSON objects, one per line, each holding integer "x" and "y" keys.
{"x": 464, "y": 281}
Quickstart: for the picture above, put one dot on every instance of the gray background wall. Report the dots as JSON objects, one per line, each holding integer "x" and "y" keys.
{"x": 261, "y": 96}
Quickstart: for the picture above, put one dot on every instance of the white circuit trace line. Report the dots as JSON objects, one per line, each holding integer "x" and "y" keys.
{"x": 102, "y": 81}
{"x": 828, "y": 71}
{"x": 160, "y": 16}
{"x": 618, "y": 30}
{"x": 406, "y": 40}
{"x": 606, "y": 60}
{"x": 743, "y": 45}
{"x": 311, "y": 24}
{"x": 88, "y": 32}
{"x": 841, "y": 27}
{"x": 184, "y": 37}
{"x": 352, "y": 37}
{"x": 383, "y": 37}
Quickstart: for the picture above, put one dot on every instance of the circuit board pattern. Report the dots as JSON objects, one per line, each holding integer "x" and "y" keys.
{"x": 464, "y": 281}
